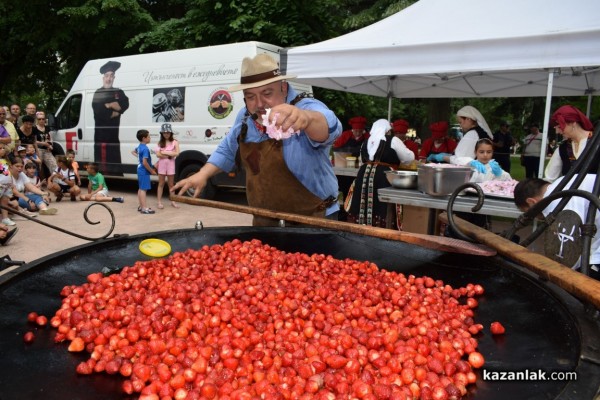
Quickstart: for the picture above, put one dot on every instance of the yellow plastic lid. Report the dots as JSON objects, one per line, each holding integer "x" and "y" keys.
{"x": 155, "y": 247}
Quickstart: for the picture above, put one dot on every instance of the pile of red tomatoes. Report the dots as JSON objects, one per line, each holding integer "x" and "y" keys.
{"x": 244, "y": 320}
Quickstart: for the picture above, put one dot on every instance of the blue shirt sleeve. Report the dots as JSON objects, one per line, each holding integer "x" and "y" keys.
{"x": 308, "y": 160}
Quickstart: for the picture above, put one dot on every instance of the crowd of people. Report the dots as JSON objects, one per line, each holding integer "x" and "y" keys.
{"x": 33, "y": 180}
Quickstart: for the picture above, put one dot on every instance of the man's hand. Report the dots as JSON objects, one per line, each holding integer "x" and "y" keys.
{"x": 195, "y": 181}
{"x": 312, "y": 122}
{"x": 289, "y": 116}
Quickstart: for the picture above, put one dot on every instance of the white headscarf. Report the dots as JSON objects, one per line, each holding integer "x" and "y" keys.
{"x": 377, "y": 134}
{"x": 475, "y": 115}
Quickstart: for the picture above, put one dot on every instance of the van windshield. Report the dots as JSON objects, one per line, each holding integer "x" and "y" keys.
{"x": 68, "y": 117}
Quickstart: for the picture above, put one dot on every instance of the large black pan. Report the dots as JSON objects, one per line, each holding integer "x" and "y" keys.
{"x": 546, "y": 328}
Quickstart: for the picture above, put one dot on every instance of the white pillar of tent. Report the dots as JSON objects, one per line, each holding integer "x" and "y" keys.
{"x": 545, "y": 124}
{"x": 390, "y": 95}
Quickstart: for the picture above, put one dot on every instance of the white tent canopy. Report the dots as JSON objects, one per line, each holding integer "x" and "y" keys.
{"x": 462, "y": 48}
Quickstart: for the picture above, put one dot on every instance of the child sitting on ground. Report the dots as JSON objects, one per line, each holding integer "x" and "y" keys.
{"x": 63, "y": 180}
{"x": 97, "y": 189}
{"x": 32, "y": 156}
{"x": 5, "y": 190}
{"x": 26, "y": 196}
{"x": 74, "y": 165}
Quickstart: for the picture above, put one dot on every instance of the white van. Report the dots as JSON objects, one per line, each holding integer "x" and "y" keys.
{"x": 186, "y": 88}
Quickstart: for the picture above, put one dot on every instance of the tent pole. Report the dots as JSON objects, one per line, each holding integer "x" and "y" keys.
{"x": 589, "y": 105}
{"x": 390, "y": 97}
{"x": 543, "y": 151}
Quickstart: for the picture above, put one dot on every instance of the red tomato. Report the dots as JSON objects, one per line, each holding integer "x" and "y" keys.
{"x": 28, "y": 337}
{"x": 32, "y": 316}
{"x": 476, "y": 359}
{"x": 41, "y": 320}
{"x": 497, "y": 329}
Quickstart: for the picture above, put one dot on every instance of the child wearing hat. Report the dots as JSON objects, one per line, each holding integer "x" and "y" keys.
{"x": 21, "y": 151}
{"x": 166, "y": 150}
{"x": 438, "y": 143}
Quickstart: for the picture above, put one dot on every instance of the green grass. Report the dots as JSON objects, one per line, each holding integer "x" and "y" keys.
{"x": 517, "y": 171}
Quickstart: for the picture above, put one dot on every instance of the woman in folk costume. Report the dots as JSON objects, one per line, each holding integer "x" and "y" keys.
{"x": 474, "y": 127}
{"x": 380, "y": 153}
{"x": 576, "y": 129}
{"x": 352, "y": 139}
{"x": 438, "y": 143}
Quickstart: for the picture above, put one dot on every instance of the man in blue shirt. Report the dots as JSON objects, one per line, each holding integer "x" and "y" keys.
{"x": 292, "y": 175}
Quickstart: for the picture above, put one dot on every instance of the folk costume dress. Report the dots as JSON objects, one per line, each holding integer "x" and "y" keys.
{"x": 380, "y": 154}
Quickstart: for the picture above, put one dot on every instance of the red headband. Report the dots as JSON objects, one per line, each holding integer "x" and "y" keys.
{"x": 567, "y": 114}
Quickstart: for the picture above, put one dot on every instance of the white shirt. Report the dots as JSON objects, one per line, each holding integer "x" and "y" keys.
{"x": 404, "y": 154}
{"x": 554, "y": 167}
{"x": 69, "y": 174}
{"x": 465, "y": 150}
{"x": 533, "y": 144}
{"x": 20, "y": 181}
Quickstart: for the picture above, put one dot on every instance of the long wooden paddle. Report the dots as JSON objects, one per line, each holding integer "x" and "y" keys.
{"x": 579, "y": 285}
{"x": 431, "y": 242}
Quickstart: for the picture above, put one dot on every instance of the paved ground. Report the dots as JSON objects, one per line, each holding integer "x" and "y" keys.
{"x": 34, "y": 240}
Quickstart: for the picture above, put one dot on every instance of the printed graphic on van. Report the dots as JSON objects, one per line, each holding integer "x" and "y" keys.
{"x": 108, "y": 104}
{"x": 220, "y": 104}
{"x": 168, "y": 105}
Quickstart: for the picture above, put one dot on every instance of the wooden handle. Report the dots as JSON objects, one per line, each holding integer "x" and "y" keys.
{"x": 432, "y": 242}
{"x": 578, "y": 284}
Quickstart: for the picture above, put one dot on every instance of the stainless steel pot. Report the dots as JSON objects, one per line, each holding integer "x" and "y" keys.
{"x": 441, "y": 180}
{"x": 402, "y": 179}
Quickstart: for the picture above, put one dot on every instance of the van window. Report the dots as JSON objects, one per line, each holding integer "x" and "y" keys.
{"x": 68, "y": 117}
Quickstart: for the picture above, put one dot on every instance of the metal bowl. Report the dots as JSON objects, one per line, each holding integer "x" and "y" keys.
{"x": 402, "y": 179}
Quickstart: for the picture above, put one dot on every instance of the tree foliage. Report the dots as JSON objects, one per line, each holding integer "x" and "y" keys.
{"x": 43, "y": 53}
{"x": 212, "y": 22}
{"x": 47, "y": 43}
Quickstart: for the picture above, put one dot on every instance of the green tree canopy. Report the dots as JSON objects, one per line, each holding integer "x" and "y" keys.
{"x": 42, "y": 54}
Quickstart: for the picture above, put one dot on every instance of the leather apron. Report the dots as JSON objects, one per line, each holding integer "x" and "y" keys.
{"x": 271, "y": 185}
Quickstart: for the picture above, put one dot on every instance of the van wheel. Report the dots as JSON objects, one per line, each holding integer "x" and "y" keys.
{"x": 209, "y": 191}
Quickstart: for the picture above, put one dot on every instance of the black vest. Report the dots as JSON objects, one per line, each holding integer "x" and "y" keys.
{"x": 565, "y": 150}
